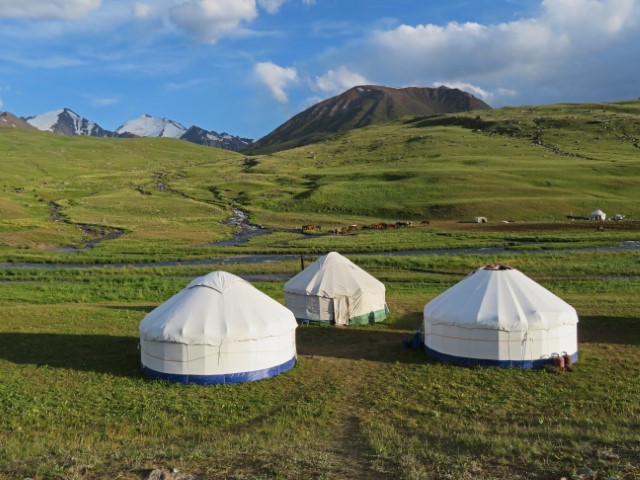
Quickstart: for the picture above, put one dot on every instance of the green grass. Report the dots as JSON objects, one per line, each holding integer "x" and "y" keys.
{"x": 524, "y": 164}
{"x": 73, "y": 403}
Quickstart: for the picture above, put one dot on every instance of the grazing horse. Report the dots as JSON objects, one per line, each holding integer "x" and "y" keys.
{"x": 403, "y": 224}
{"x": 311, "y": 228}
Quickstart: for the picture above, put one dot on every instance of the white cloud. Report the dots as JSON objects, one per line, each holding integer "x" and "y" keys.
{"x": 104, "y": 101}
{"x": 560, "y": 53}
{"x": 209, "y": 20}
{"x": 309, "y": 2}
{"x": 271, "y": 6}
{"x": 142, "y": 10}
{"x": 276, "y": 78}
{"x": 606, "y": 16}
{"x": 47, "y": 9}
{"x": 1, "y": 103}
{"x": 336, "y": 81}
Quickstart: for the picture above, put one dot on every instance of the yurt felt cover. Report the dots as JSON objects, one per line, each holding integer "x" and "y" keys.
{"x": 345, "y": 292}
{"x": 221, "y": 312}
{"x": 496, "y": 298}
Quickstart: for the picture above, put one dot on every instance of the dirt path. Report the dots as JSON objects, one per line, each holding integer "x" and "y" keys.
{"x": 353, "y": 357}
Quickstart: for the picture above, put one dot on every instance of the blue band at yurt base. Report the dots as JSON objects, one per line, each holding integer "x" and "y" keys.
{"x": 224, "y": 378}
{"x": 485, "y": 362}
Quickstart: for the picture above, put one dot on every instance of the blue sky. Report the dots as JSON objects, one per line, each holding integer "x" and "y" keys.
{"x": 246, "y": 66}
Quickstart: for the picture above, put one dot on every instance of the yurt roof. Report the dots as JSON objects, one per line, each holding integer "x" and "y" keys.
{"x": 597, "y": 212}
{"x": 217, "y": 307}
{"x": 333, "y": 275}
{"x": 501, "y": 298}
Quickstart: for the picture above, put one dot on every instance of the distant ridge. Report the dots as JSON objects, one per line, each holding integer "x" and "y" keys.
{"x": 67, "y": 122}
{"x": 8, "y": 119}
{"x": 362, "y": 106}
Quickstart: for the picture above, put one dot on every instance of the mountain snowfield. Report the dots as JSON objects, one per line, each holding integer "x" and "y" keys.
{"x": 66, "y": 122}
{"x": 148, "y": 126}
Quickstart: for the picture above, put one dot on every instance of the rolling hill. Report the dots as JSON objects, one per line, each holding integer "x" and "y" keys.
{"x": 362, "y": 106}
{"x": 524, "y": 164}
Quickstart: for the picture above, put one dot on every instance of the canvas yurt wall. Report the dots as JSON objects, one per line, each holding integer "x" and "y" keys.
{"x": 499, "y": 316}
{"x": 219, "y": 329}
{"x": 334, "y": 290}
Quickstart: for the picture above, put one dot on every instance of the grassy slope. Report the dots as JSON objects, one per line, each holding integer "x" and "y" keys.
{"x": 113, "y": 182}
{"x": 456, "y": 168}
{"x": 539, "y": 163}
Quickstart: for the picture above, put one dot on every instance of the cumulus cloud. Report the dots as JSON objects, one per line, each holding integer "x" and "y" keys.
{"x": 335, "y": 81}
{"x": 142, "y": 10}
{"x": 208, "y": 20}
{"x": 271, "y": 6}
{"x": 562, "y": 49}
{"x": 276, "y": 78}
{"x": 47, "y": 9}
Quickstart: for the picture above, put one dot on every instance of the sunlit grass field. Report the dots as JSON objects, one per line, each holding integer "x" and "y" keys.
{"x": 73, "y": 403}
{"x": 167, "y": 196}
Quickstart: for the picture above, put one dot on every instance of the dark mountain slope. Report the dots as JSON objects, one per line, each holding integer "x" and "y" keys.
{"x": 8, "y": 119}
{"x": 362, "y": 106}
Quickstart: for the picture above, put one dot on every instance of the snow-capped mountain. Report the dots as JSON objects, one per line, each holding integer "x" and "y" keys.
{"x": 67, "y": 122}
{"x": 148, "y": 126}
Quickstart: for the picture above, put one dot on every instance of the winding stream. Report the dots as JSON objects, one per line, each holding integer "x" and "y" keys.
{"x": 92, "y": 234}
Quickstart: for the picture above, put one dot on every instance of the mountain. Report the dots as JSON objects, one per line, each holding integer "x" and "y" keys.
{"x": 212, "y": 139}
{"x": 8, "y": 119}
{"x": 148, "y": 126}
{"x": 362, "y": 106}
{"x": 67, "y": 122}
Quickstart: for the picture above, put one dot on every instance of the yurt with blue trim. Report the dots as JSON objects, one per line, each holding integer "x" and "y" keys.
{"x": 219, "y": 329}
{"x": 498, "y": 316}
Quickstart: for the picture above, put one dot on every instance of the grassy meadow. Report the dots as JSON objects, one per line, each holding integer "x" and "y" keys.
{"x": 74, "y": 405}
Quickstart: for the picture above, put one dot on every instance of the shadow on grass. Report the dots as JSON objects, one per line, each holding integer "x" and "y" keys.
{"x": 357, "y": 344}
{"x": 135, "y": 308}
{"x": 117, "y": 356}
{"x": 616, "y": 330}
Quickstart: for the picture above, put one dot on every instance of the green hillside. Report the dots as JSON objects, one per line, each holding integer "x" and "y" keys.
{"x": 522, "y": 164}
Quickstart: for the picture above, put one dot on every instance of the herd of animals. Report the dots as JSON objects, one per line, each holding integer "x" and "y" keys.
{"x": 351, "y": 228}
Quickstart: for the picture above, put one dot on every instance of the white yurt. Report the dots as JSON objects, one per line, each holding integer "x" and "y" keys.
{"x": 219, "y": 329}
{"x": 334, "y": 290}
{"x": 499, "y": 316}
{"x": 598, "y": 215}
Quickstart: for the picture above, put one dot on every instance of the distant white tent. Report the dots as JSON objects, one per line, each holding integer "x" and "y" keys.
{"x": 499, "y": 316}
{"x": 334, "y": 290}
{"x": 219, "y": 329}
{"x": 598, "y": 215}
